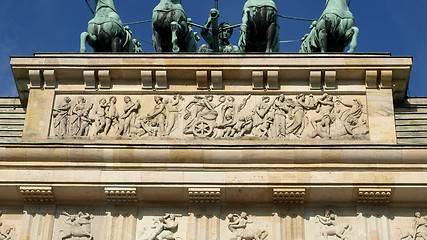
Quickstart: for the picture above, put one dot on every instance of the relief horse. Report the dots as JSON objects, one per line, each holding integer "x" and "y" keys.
{"x": 259, "y": 31}
{"x": 76, "y": 232}
{"x": 333, "y": 31}
{"x": 105, "y": 30}
{"x": 171, "y": 31}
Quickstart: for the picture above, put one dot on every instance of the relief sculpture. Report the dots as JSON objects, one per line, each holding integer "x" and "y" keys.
{"x": 6, "y": 232}
{"x": 418, "y": 229}
{"x": 238, "y": 225}
{"x": 79, "y": 119}
{"x": 79, "y": 225}
{"x": 329, "y": 226}
{"x": 279, "y": 117}
{"x": 163, "y": 228}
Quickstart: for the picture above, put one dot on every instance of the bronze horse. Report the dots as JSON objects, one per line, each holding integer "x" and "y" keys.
{"x": 171, "y": 32}
{"x": 333, "y": 31}
{"x": 105, "y": 30}
{"x": 259, "y": 31}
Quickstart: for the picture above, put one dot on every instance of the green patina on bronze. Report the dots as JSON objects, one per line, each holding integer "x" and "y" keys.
{"x": 333, "y": 31}
{"x": 218, "y": 38}
{"x": 106, "y": 32}
{"x": 171, "y": 31}
{"x": 259, "y": 31}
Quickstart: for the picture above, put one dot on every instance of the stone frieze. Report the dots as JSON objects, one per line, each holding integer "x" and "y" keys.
{"x": 216, "y": 117}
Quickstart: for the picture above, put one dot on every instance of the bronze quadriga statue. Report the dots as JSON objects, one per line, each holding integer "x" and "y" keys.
{"x": 260, "y": 29}
{"x": 171, "y": 32}
{"x": 105, "y": 31}
{"x": 333, "y": 31}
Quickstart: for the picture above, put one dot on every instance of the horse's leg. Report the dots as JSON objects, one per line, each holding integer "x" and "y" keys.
{"x": 325, "y": 27}
{"x": 175, "y": 27}
{"x": 117, "y": 44}
{"x": 157, "y": 40}
{"x": 86, "y": 37}
{"x": 83, "y": 38}
{"x": 354, "y": 33}
{"x": 323, "y": 40}
{"x": 271, "y": 38}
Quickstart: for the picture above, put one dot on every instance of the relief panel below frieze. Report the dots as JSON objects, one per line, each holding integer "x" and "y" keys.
{"x": 214, "y": 117}
{"x": 154, "y": 222}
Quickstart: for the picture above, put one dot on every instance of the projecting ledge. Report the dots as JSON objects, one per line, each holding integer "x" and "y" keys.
{"x": 213, "y": 154}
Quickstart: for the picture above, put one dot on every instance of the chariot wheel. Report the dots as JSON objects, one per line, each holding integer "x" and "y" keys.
{"x": 202, "y": 129}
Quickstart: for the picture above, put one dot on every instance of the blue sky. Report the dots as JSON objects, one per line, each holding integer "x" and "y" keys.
{"x": 394, "y": 26}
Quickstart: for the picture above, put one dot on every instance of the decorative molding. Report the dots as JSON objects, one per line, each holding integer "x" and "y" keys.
{"x": 315, "y": 80}
{"x": 37, "y": 194}
{"x": 202, "y": 80}
{"x": 204, "y": 195}
{"x": 120, "y": 195}
{"x": 35, "y": 78}
{"x": 374, "y": 195}
{"x": 258, "y": 80}
{"x": 288, "y": 195}
{"x": 147, "y": 79}
{"x": 49, "y": 79}
{"x": 371, "y": 79}
{"x": 386, "y": 79}
{"x": 90, "y": 79}
{"x": 216, "y": 79}
{"x": 273, "y": 80}
{"x": 161, "y": 80}
{"x": 104, "y": 79}
{"x": 330, "y": 80}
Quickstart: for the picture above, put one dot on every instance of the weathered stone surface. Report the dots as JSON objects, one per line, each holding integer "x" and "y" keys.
{"x": 304, "y": 169}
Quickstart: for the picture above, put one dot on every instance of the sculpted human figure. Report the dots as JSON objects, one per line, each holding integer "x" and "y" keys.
{"x": 61, "y": 115}
{"x": 261, "y": 110}
{"x": 172, "y": 112}
{"x": 228, "y": 109}
{"x": 310, "y": 41}
{"x": 330, "y": 226}
{"x": 325, "y": 116}
{"x": 111, "y": 114}
{"x": 158, "y": 115}
{"x": 238, "y": 226}
{"x": 243, "y": 127}
{"x": 5, "y": 231}
{"x": 164, "y": 228}
{"x": 101, "y": 114}
{"x": 79, "y": 119}
{"x": 418, "y": 228}
{"x": 131, "y": 44}
{"x": 127, "y": 119}
{"x": 259, "y": 31}
{"x": 225, "y": 32}
{"x": 264, "y": 129}
{"x": 281, "y": 109}
{"x": 79, "y": 226}
{"x": 351, "y": 117}
{"x": 201, "y": 107}
{"x": 297, "y": 115}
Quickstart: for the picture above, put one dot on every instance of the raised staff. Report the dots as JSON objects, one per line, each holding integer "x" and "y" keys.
{"x": 217, "y": 35}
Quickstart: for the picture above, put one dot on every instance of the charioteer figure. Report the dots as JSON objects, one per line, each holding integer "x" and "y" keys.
{"x": 218, "y": 39}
